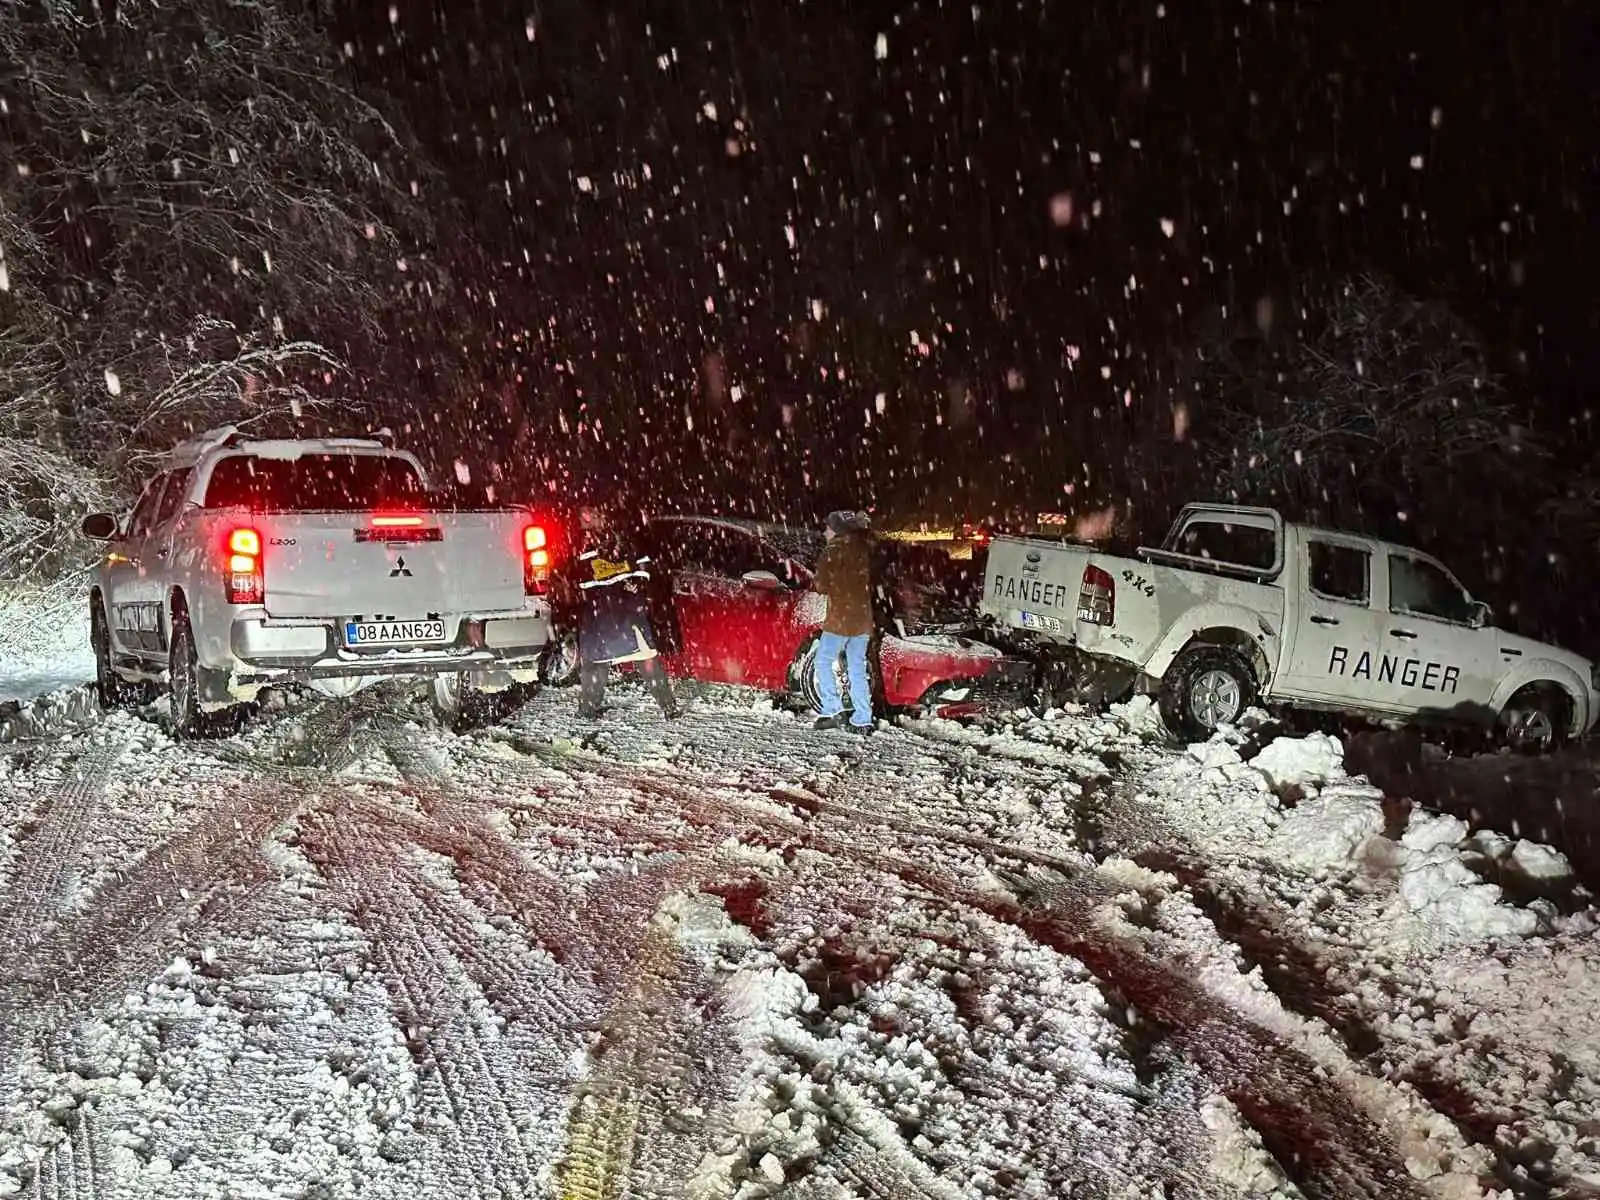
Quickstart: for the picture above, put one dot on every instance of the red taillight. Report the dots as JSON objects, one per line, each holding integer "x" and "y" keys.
{"x": 535, "y": 560}
{"x": 242, "y": 581}
{"x": 396, "y": 521}
{"x": 1097, "y": 598}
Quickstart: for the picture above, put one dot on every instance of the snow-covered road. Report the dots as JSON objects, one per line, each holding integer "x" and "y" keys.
{"x": 346, "y": 953}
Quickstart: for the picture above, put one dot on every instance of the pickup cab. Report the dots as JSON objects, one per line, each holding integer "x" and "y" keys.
{"x": 1238, "y": 605}
{"x": 323, "y": 563}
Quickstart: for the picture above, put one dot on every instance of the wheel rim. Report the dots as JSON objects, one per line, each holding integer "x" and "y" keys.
{"x": 1215, "y": 698}
{"x": 808, "y": 681}
{"x": 1532, "y": 728}
{"x": 565, "y": 660}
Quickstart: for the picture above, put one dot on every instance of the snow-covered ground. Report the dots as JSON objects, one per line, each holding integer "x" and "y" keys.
{"x": 44, "y": 642}
{"x": 346, "y": 953}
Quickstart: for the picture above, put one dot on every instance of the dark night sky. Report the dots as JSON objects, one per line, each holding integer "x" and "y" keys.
{"x": 636, "y": 164}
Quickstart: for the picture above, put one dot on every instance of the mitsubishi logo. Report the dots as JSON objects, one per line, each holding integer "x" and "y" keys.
{"x": 400, "y": 569}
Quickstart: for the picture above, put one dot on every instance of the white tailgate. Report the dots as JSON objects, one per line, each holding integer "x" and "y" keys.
{"x": 1034, "y": 585}
{"x": 338, "y": 565}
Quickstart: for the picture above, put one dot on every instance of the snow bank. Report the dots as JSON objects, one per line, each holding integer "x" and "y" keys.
{"x": 60, "y": 711}
{"x": 1330, "y": 829}
{"x": 1294, "y": 806}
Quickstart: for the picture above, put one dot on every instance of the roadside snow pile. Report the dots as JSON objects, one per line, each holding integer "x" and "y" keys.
{"x": 1294, "y": 806}
{"x": 1329, "y": 830}
{"x": 1512, "y": 1034}
{"x": 44, "y": 638}
{"x": 62, "y": 710}
{"x": 1070, "y": 739}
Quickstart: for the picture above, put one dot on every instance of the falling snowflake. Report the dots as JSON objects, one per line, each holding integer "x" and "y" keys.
{"x": 881, "y": 50}
{"x": 1169, "y": 226}
{"x": 113, "y": 384}
{"x": 1061, "y": 209}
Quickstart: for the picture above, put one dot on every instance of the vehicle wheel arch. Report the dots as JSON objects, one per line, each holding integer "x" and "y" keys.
{"x": 1230, "y": 637}
{"x": 1549, "y": 677}
{"x": 1218, "y": 625}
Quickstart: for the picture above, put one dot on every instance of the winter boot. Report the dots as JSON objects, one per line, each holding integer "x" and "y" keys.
{"x": 833, "y": 722}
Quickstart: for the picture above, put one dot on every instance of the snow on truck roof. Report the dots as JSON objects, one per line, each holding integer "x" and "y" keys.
{"x": 228, "y": 437}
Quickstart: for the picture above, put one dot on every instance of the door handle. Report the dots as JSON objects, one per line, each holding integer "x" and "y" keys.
{"x": 1403, "y": 633}
{"x": 1324, "y": 620}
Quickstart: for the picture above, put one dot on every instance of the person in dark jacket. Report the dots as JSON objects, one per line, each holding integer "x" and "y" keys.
{"x": 844, "y": 576}
{"x": 613, "y": 586}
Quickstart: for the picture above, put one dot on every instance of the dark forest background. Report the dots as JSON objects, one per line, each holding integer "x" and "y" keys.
{"x": 950, "y": 262}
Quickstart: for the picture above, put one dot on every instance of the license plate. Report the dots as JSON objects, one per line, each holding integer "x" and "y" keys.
{"x": 392, "y": 633}
{"x": 1030, "y": 620}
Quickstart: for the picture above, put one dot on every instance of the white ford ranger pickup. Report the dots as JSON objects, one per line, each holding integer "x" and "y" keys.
{"x": 1238, "y": 605}
{"x": 253, "y": 564}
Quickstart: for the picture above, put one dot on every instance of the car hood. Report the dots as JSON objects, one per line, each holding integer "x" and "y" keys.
{"x": 1530, "y": 649}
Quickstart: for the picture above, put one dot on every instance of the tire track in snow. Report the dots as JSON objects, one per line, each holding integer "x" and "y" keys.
{"x": 753, "y": 822}
{"x": 75, "y": 1167}
{"x": 1317, "y": 1130}
{"x": 33, "y": 898}
{"x": 637, "y": 1127}
{"x": 660, "y": 1089}
{"x": 450, "y": 1026}
{"x": 206, "y": 871}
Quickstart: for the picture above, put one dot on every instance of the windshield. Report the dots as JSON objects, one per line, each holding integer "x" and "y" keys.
{"x": 333, "y": 482}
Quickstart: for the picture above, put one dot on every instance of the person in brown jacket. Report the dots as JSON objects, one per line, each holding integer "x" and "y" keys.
{"x": 844, "y": 577}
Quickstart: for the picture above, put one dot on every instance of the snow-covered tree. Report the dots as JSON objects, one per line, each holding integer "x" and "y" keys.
{"x": 1366, "y": 407}
{"x": 213, "y": 210}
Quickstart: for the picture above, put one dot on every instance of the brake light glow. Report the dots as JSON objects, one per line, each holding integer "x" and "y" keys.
{"x": 1097, "y": 597}
{"x": 535, "y": 560}
{"x": 242, "y": 582}
{"x": 399, "y": 521}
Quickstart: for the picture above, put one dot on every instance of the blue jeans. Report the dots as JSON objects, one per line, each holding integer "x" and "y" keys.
{"x": 854, "y": 649}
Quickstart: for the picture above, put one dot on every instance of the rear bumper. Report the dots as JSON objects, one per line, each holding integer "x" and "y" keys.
{"x": 309, "y": 649}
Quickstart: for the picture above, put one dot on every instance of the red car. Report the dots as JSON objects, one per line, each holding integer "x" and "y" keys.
{"x": 744, "y": 615}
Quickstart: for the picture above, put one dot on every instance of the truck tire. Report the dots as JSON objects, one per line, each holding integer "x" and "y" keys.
{"x": 1536, "y": 720}
{"x": 558, "y": 665}
{"x": 184, "y": 684}
{"x": 459, "y": 706}
{"x": 1206, "y": 686}
{"x": 111, "y": 689}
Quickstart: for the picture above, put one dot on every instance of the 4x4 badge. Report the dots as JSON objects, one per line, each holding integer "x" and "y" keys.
{"x": 400, "y": 568}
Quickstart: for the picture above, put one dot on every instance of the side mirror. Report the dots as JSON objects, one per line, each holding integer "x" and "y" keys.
{"x": 1481, "y": 615}
{"x": 763, "y": 581}
{"x": 101, "y": 527}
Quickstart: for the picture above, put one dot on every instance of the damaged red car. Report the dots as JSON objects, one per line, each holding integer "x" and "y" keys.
{"x": 741, "y": 612}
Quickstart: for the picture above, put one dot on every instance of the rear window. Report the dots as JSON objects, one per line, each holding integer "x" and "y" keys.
{"x": 313, "y": 482}
{"x": 1239, "y": 545}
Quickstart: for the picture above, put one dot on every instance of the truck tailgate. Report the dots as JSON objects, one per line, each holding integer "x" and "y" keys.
{"x": 1034, "y": 585}
{"x": 360, "y": 565}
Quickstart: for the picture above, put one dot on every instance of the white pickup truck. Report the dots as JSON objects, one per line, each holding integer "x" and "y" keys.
{"x": 252, "y": 564}
{"x": 1238, "y": 605}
